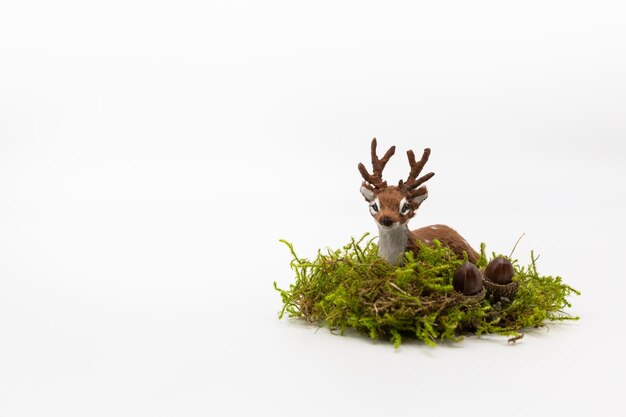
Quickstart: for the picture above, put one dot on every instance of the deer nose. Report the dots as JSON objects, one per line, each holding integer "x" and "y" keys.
{"x": 386, "y": 221}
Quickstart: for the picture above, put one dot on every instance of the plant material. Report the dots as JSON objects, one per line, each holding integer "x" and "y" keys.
{"x": 353, "y": 287}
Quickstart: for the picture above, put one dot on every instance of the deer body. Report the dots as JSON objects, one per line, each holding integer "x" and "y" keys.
{"x": 393, "y": 206}
{"x": 447, "y": 236}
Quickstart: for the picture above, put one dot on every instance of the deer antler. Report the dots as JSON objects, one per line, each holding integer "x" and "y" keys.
{"x": 412, "y": 181}
{"x": 375, "y": 180}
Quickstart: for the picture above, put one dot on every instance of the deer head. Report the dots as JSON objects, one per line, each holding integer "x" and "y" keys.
{"x": 393, "y": 206}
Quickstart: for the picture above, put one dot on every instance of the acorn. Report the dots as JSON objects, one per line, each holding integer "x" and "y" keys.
{"x": 500, "y": 271}
{"x": 499, "y": 278}
{"x": 467, "y": 279}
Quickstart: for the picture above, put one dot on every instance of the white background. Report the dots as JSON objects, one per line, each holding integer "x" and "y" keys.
{"x": 153, "y": 153}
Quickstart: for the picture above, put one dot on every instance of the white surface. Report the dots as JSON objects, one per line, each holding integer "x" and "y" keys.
{"x": 152, "y": 154}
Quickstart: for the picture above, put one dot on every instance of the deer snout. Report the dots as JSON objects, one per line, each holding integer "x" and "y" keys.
{"x": 386, "y": 221}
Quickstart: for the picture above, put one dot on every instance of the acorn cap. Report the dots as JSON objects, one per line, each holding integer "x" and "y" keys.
{"x": 499, "y": 291}
{"x": 467, "y": 279}
{"x": 476, "y": 298}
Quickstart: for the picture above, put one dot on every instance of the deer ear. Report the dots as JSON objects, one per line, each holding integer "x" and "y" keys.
{"x": 368, "y": 194}
{"x": 422, "y": 194}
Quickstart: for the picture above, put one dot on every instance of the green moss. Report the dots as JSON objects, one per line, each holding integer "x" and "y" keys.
{"x": 353, "y": 287}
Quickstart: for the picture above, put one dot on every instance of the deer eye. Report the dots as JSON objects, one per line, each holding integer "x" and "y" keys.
{"x": 374, "y": 207}
{"x": 405, "y": 208}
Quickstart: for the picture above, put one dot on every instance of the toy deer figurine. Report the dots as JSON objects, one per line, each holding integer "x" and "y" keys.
{"x": 393, "y": 206}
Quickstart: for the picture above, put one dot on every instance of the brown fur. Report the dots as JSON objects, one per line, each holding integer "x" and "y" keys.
{"x": 447, "y": 236}
{"x": 390, "y": 198}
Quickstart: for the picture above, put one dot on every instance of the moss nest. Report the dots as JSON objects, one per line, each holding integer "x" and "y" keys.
{"x": 353, "y": 287}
